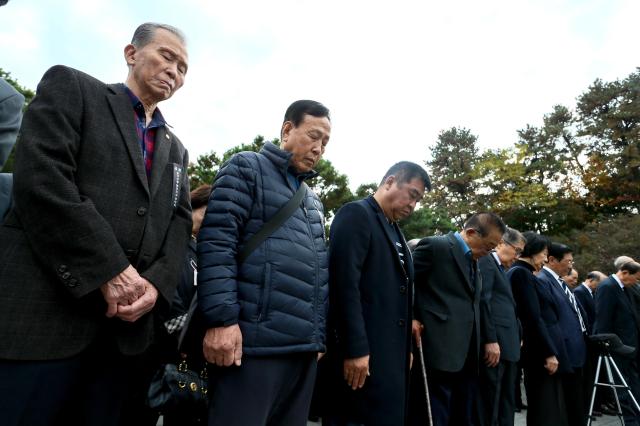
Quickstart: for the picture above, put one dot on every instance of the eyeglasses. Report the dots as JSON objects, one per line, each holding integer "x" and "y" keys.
{"x": 517, "y": 249}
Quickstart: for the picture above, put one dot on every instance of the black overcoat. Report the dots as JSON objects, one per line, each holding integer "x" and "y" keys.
{"x": 371, "y": 281}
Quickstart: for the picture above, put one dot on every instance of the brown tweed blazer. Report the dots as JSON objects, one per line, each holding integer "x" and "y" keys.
{"x": 83, "y": 211}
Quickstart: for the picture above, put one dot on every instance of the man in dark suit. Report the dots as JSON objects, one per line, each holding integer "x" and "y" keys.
{"x": 573, "y": 323}
{"x": 371, "y": 286}
{"x": 94, "y": 243}
{"x": 448, "y": 286}
{"x": 585, "y": 293}
{"x": 500, "y": 332}
{"x": 615, "y": 314}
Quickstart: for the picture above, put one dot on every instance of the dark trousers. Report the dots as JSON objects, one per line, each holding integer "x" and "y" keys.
{"x": 573, "y": 390}
{"x": 545, "y": 398}
{"x": 87, "y": 389}
{"x": 497, "y": 394}
{"x": 453, "y": 397}
{"x": 273, "y": 390}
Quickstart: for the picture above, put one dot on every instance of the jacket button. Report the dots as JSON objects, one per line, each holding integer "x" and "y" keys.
{"x": 401, "y": 322}
{"x": 62, "y": 268}
{"x": 141, "y": 211}
{"x": 73, "y": 282}
{"x": 66, "y": 275}
{"x": 403, "y": 289}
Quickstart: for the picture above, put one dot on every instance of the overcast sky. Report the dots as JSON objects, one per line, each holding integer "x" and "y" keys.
{"x": 394, "y": 74}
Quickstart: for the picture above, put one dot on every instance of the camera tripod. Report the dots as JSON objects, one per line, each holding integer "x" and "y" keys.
{"x": 607, "y": 344}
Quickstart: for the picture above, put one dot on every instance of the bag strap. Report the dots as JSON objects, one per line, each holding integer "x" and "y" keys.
{"x": 274, "y": 223}
{"x": 187, "y": 320}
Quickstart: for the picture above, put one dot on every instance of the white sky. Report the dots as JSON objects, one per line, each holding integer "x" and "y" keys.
{"x": 393, "y": 74}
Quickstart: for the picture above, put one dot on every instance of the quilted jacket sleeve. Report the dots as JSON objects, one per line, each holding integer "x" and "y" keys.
{"x": 219, "y": 239}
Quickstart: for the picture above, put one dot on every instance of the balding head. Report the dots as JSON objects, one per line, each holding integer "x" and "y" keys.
{"x": 593, "y": 279}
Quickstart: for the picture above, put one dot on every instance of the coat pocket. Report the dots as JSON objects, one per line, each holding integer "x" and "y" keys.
{"x": 439, "y": 315}
{"x": 265, "y": 295}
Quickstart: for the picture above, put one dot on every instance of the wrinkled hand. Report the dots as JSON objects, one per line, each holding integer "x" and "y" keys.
{"x": 491, "y": 354}
{"x": 356, "y": 371}
{"x": 124, "y": 289}
{"x": 416, "y": 330}
{"x": 223, "y": 345}
{"x": 551, "y": 364}
{"x": 143, "y": 305}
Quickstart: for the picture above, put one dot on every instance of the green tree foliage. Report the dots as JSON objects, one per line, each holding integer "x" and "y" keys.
{"x": 609, "y": 117}
{"x": 452, "y": 170}
{"x": 599, "y": 243}
{"x": 204, "y": 170}
{"x": 425, "y": 222}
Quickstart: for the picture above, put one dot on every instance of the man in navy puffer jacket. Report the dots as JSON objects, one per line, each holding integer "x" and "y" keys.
{"x": 266, "y": 316}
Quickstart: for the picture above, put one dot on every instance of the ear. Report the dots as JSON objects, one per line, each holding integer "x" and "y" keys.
{"x": 389, "y": 181}
{"x": 129, "y": 54}
{"x": 287, "y": 126}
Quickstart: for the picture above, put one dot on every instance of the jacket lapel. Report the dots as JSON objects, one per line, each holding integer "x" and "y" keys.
{"x": 387, "y": 232}
{"x": 160, "y": 156}
{"x": 123, "y": 113}
{"x": 461, "y": 261}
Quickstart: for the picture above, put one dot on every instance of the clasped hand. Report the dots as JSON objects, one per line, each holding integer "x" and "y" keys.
{"x": 128, "y": 295}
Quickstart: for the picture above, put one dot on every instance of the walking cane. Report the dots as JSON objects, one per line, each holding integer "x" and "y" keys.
{"x": 424, "y": 379}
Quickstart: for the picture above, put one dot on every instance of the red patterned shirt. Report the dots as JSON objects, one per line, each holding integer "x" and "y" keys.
{"x": 146, "y": 134}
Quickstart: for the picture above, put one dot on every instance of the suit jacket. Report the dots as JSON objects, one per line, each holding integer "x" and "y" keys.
{"x": 447, "y": 303}
{"x": 538, "y": 312}
{"x": 499, "y": 323}
{"x": 11, "y": 102}
{"x": 568, "y": 321}
{"x": 83, "y": 211}
{"x": 614, "y": 312}
{"x": 588, "y": 303}
{"x": 371, "y": 284}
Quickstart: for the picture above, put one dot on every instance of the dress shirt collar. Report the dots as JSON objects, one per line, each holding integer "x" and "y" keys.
{"x": 496, "y": 258}
{"x": 549, "y": 270}
{"x": 615, "y": 277}
{"x": 463, "y": 244}
{"x": 588, "y": 288}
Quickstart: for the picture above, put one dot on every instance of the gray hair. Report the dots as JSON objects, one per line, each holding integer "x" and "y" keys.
{"x": 145, "y": 32}
{"x": 621, "y": 260}
{"x": 513, "y": 237}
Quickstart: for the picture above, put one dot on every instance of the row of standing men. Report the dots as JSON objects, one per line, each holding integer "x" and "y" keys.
{"x": 95, "y": 239}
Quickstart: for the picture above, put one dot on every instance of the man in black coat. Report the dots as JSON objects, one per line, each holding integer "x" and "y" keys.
{"x": 615, "y": 314}
{"x": 500, "y": 332}
{"x": 371, "y": 287}
{"x": 448, "y": 286}
{"x": 93, "y": 245}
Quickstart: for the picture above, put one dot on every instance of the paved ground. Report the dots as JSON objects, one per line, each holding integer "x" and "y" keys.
{"x": 521, "y": 421}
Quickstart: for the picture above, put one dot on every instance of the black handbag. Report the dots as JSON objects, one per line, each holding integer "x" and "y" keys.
{"x": 176, "y": 386}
